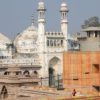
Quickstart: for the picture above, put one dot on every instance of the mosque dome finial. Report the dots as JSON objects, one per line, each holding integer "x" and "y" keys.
{"x": 64, "y": 6}
{"x": 41, "y": 5}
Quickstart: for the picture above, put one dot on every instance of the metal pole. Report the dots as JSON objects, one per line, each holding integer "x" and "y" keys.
{"x": 58, "y": 81}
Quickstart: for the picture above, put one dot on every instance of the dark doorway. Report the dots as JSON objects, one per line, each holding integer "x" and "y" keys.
{"x": 54, "y": 67}
{"x": 51, "y": 77}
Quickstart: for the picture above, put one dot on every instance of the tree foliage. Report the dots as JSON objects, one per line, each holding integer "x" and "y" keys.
{"x": 91, "y": 22}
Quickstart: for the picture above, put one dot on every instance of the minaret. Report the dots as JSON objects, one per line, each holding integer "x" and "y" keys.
{"x": 64, "y": 23}
{"x": 41, "y": 25}
{"x": 41, "y": 35}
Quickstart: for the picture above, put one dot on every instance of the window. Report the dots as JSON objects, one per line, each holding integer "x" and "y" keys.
{"x": 75, "y": 78}
{"x": 51, "y": 42}
{"x": 96, "y": 34}
{"x": 40, "y": 15}
{"x": 88, "y": 34}
{"x": 97, "y": 88}
{"x": 26, "y": 73}
{"x": 58, "y": 43}
{"x": 35, "y": 72}
{"x": 6, "y": 73}
{"x": 96, "y": 68}
{"x": 63, "y": 15}
{"x": 54, "y": 42}
{"x": 61, "y": 42}
{"x": 18, "y": 73}
{"x": 48, "y": 43}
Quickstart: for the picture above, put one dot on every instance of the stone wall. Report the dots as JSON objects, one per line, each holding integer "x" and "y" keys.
{"x": 81, "y": 70}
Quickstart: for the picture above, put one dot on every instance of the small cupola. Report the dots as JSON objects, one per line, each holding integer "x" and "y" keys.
{"x": 41, "y": 6}
{"x": 64, "y": 7}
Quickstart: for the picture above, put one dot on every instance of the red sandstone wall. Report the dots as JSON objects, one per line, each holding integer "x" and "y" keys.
{"x": 79, "y": 70}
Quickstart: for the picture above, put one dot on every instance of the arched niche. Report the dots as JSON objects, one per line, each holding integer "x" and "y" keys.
{"x": 54, "y": 67}
{"x": 26, "y": 73}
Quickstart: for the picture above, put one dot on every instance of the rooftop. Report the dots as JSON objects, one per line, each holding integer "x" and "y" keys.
{"x": 91, "y": 29}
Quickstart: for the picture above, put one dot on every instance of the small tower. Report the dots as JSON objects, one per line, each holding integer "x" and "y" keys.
{"x": 41, "y": 24}
{"x": 64, "y": 23}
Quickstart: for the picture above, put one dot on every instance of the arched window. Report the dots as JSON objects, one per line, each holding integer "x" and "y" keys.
{"x": 41, "y": 15}
{"x": 58, "y": 43}
{"x": 26, "y": 73}
{"x": 63, "y": 15}
{"x": 51, "y": 43}
{"x": 6, "y": 73}
{"x": 47, "y": 42}
{"x": 61, "y": 42}
{"x": 35, "y": 72}
{"x": 55, "y": 43}
{"x": 18, "y": 73}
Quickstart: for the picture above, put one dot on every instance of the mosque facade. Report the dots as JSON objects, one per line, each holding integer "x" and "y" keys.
{"x": 35, "y": 50}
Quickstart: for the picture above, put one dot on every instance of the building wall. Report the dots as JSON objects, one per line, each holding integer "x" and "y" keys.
{"x": 90, "y": 44}
{"x": 81, "y": 69}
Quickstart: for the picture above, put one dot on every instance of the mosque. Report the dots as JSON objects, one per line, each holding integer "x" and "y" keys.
{"x": 35, "y": 50}
{"x": 36, "y": 54}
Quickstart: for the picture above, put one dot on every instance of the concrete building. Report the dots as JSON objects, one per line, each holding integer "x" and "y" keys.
{"x": 89, "y": 40}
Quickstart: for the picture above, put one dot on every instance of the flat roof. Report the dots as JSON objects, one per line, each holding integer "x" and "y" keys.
{"x": 91, "y": 29}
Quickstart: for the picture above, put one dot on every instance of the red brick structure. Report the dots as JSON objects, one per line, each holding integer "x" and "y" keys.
{"x": 82, "y": 70}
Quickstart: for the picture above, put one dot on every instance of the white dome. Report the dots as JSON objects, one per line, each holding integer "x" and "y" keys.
{"x": 26, "y": 41}
{"x": 4, "y": 38}
{"x": 30, "y": 32}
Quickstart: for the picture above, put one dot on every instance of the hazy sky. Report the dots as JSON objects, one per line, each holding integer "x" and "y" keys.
{"x": 15, "y": 15}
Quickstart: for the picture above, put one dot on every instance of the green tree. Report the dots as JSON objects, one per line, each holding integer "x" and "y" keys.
{"x": 91, "y": 22}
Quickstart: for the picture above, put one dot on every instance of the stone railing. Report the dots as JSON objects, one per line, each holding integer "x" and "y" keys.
{"x": 5, "y": 62}
{"x": 18, "y": 79}
{"x": 53, "y": 34}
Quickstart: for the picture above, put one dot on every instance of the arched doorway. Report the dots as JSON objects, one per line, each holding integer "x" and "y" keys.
{"x": 54, "y": 67}
{"x": 4, "y": 92}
